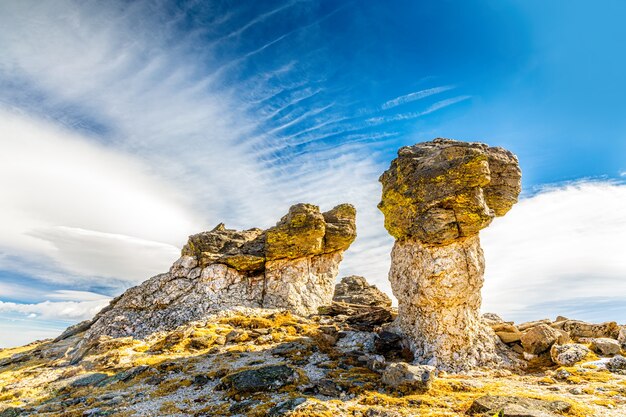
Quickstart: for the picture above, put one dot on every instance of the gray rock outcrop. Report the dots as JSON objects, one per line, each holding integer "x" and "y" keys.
{"x": 436, "y": 197}
{"x": 290, "y": 266}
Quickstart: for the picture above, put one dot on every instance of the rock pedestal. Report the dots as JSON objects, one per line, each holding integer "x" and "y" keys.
{"x": 290, "y": 266}
{"x": 436, "y": 197}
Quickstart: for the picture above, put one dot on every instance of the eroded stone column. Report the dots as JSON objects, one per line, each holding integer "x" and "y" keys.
{"x": 437, "y": 196}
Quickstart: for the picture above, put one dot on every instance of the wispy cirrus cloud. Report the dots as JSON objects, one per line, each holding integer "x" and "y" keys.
{"x": 120, "y": 137}
{"x": 417, "y": 95}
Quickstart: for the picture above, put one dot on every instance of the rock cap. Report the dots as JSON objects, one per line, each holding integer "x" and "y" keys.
{"x": 443, "y": 190}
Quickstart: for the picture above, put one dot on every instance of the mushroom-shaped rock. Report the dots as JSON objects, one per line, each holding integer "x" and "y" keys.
{"x": 290, "y": 266}
{"x": 436, "y": 197}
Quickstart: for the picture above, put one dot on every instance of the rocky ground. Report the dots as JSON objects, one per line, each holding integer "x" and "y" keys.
{"x": 345, "y": 362}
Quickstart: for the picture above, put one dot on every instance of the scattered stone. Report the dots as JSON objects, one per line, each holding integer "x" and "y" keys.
{"x": 569, "y": 354}
{"x": 355, "y": 290}
{"x": 284, "y": 408}
{"x": 89, "y": 380}
{"x": 617, "y": 364}
{"x": 330, "y": 334}
{"x": 408, "y": 378}
{"x": 260, "y": 379}
{"x": 380, "y": 412}
{"x": 539, "y": 338}
{"x": 492, "y": 318}
{"x": 577, "y": 329}
{"x": 605, "y": 346}
{"x": 328, "y": 388}
{"x": 529, "y": 324}
{"x": 243, "y": 406}
{"x": 576, "y": 391}
{"x": 507, "y": 332}
{"x": 621, "y": 337}
{"x": 11, "y": 412}
{"x": 374, "y": 363}
{"x": 511, "y": 406}
{"x": 436, "y": 197}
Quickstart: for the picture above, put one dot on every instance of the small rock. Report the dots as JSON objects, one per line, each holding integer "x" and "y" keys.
{"x": 517, "y": 406}
{"x": 617, "y": 364}
{"x": 562, "y": 374}
{"x": 89, "y": 380}
{"x": 569, "y": 354}
{"x": 330, "y": 334}
{"x": 236, "y": 336}
{"x": 380, "y": 412}
{"x": 355, "y": 290}
{"x": 408, "y": 377}
{"x": 374, "y": 363}
{"x": 260, "y": 379}
{"x": 243, "y": 406}
{"x": 621, "y": 337}
{"x": 530, "y": 324}
{"x": 492, "y": 318}
{"x": 283, "y": 408}
{"x": 328, "y": 388}
{"x": 11, "y": 412}
{"x": 539, "y": 338}
{"x": 509, "y": 337}
{"x": 605, "y": 346}
{"x": 576, "y": 391}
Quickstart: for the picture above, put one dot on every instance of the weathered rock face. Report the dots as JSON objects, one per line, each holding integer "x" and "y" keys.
{"x": 290, "y": 266}
{"x": 436, "y": 197}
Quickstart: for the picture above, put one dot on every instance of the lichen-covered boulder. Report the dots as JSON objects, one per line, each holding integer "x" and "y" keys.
{"x": 444, "y": 190}
{"x": 568, "y": 354}
{"x": 290, "y": 266}
{"x": 436, "y": 197}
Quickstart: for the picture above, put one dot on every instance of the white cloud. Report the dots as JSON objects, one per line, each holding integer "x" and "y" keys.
{"x": 61, "y": 190}
{"x": 57, "y": 310}
{"x": 417, "y": 95}
{"x": 560, "y": 248}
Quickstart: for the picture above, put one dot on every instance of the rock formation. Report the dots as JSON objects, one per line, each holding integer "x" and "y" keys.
{"x": 355, "y": 290}
{"x": 436, "y": 197}
{"x": 291, "y": 266}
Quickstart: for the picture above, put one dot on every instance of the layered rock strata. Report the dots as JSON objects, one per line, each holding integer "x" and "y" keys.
{"x": 436, "y": 197}
{"x": 290, "y": 266}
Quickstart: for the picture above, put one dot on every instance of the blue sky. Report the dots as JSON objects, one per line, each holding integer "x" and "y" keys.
{"x": 127, "y": 126}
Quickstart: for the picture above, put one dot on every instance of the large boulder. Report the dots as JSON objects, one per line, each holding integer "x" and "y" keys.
{"x": 539, "y": 339}
{"x": 290, "y": 266}
{"x": 436, "y": 197}
{"x": 605, "y": 346}
{"x": 265, "y": 378}
{"x": 578, "y": 329}
{"x": 356, "y": 290}
{"x": 408, "y": 378}
{"x": 568, "y": 354}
